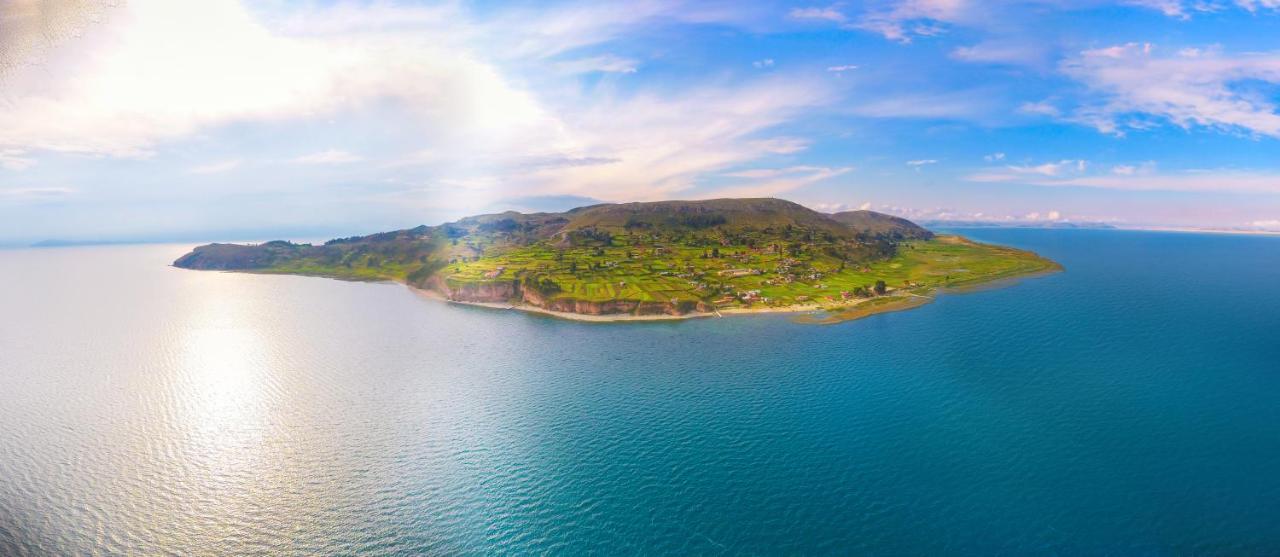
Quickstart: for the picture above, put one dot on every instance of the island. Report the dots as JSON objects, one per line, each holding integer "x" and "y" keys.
{"x": 656, "y": 260}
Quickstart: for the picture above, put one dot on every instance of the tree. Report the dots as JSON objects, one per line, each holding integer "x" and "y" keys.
{"x": 573, "y": 267}
{"x": 880, "y": 287}
{"x": 715, "y": 253}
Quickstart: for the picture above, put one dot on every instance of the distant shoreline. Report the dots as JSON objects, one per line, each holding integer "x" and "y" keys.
{"x": 1178, "y": 229}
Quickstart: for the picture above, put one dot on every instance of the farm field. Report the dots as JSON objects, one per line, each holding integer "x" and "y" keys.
{"x": 738, "y": 276}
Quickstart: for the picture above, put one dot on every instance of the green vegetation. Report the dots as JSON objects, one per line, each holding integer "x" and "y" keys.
{"x": 742, "y": 276}
{"x": 672, "y": 256}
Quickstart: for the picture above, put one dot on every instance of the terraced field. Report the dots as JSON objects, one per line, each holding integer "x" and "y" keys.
{"x": 738, "y": 276}
{"x": 671, "y": 257}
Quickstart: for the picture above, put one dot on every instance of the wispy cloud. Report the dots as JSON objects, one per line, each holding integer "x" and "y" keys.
{"x": 773, "y": 182}
{"x": 1005, "y": 51}
{"x": 34, "y": 194}
{"x": 1184, "y": 9}
{"x": 1134, "y": 84}
{"x": 1031, "y": 172}
{"x": 921, "y": 162}
{"x": 330, "y": 156}
{"x": 829, "y": 13}
{"x": 605, "y": 64}
{"x": 967, "y": 104}
{"x": 659, "y": 145}
{"x": 216, "y": 167}
{"x": 1146, "y": 168}
{"x": 1134, "y": 177}
{"x": 15, "y": 159}
{"x": 904, "y": 20}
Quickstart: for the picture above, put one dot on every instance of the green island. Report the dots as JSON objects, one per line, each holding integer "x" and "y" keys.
{"x": 660, "y": 260}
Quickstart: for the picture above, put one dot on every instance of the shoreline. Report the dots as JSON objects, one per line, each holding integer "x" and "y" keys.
{"x": 897, "y": 300}
{"x": 611, "y": 317}
{"x": 864, "y": 307}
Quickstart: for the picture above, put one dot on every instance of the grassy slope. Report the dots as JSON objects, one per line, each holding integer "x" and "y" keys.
{"x": 609, "y": 274}
{"x": 656, "y": 252}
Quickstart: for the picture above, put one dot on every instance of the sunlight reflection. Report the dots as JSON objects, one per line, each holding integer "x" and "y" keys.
{"x": 222, "y": 391}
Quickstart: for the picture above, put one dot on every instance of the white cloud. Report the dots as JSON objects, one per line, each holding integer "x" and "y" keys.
{"x": 785, "y": 180}
{"x": 662, "y": 145}
{"x": 829, "y": 13}
{"x": 865, "y": 206}
{"x": 761, "y": 64}
{"x": 1148, "y": 167}
{"x": 900, "y": 21}
{"x": 1065, "y": 166}
{"x": 1003, "y": 51}
{"x": 15, "y": 159}
{"x": 162, "y": 70}
{"x": 921, "y": 162}
{"x": 1256, "y": 5}
{"x": 1269, "y": 224}
{"x": 1133, "y": 83}
{"x": 842, "y": 69}
{"x": 1041, "y": 108}
{"x": 330, "y": 156}
{"x": 603, "y": 64}
{"x": 761, "y": 173}
{"x": 1183, "y": 9}
{"x": 217, "y": 167}
{"x": 34, "y": 195}
{"x": 964, "y": 103}
{"x": 828, "y": 207}
{"x": 1171, "y": 8}
{"x": 993, "y": 157}
{"x": 1140, "y": 177}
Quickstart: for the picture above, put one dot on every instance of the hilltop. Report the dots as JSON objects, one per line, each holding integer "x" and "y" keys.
{"x": 668, "y": 258}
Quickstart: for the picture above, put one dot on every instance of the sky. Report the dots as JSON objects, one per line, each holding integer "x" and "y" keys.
{"x": 217, "y": 119}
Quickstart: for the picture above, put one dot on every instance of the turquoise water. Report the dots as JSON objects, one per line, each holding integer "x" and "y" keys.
{"x": 1130, "y": 405}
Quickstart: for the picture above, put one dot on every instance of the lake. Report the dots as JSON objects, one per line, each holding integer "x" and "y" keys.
{"x": 1130, "y": 405}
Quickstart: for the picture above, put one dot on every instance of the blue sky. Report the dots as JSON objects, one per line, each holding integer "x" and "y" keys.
{"x": 159, "y": 119}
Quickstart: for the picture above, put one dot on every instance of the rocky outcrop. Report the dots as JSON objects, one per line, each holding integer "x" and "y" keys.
{"x": 511, "y": 291}
{"x": 496, "y": 292}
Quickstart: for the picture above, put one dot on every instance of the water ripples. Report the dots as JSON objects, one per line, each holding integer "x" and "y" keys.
{"x": 161, "y": 411}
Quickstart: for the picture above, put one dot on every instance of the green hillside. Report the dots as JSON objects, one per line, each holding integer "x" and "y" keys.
{"x": 670, "y": 257}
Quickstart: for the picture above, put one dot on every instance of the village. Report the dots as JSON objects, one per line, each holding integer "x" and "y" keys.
{"x": 762, "y": 270}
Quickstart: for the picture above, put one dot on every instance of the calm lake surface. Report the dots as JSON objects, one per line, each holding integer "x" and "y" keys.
{"x": 1130, "y": 405}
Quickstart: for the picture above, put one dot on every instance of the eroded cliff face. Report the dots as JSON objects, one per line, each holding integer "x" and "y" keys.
{"x": 506, "y": 292}
{"x": 498, "y": 292}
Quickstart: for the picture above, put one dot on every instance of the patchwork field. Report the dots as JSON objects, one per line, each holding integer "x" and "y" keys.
{"x": 744, "y": 277}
